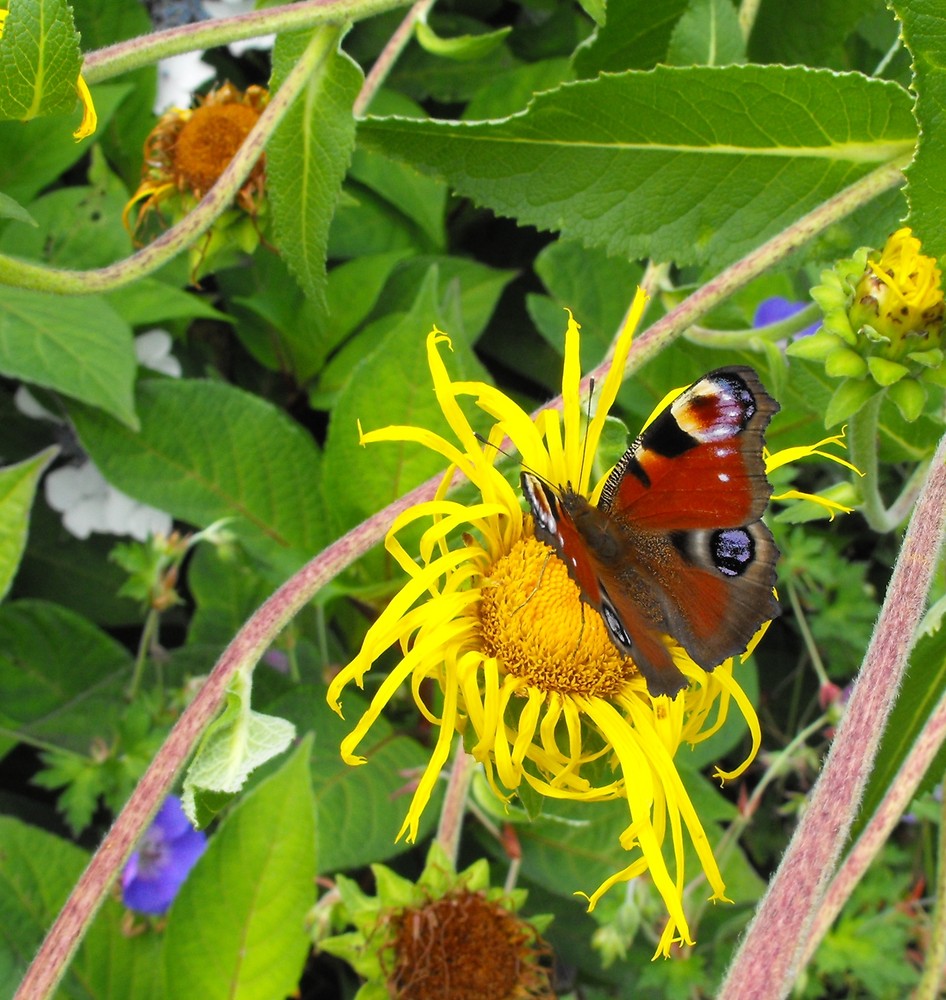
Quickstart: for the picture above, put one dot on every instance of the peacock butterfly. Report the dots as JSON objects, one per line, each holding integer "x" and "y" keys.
{"x": 675, "y": 546}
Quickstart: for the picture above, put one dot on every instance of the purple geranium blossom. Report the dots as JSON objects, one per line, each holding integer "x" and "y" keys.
{"x": 777, "y": 308}
{"x": 166, "y": 853}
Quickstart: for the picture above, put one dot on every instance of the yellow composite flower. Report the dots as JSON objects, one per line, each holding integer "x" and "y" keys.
{"x": 528, "y": 676}
{"x": 90, "y": 119}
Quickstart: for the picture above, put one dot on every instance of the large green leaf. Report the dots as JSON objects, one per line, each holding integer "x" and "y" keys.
{"x": 76, "y": 345}
{"x": 39, "y": 60}
{"x": 17, "y": 489}
{"x": 307, "y": 156}
{"x": 635, "y": 36}
{"x": 693, "y": 165}
{"x": 237, "y": 927}
{"x": 360, "y": 808}
{"x": 207, "y": 451}
{"x": 391, "y": 385}
{"x": 61, "y": 677}
{"x": 924, "y": 35}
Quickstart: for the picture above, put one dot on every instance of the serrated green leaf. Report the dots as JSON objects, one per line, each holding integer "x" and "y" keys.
{"x": 708, "y": 34}
{"x": 61, "y": 677}
{"x": 923, "y": 34}
{"x": 77, "y": 345}
{"x": 12, "y": 209}
{"x": 234, "y": 745}
{"x": 676, "y": 164}
{"x": 237, "y": 927}
{"x": 17, "y": 489}
{"x": 39, "y": 60}
{"x": 461, "y": 48}
{"x": 308, "y": 154}
{"x": 208, "y": 451}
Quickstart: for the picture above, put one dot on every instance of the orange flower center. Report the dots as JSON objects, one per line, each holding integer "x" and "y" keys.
{"x": 534, "y": 622}
{"x": 208, "y": 141}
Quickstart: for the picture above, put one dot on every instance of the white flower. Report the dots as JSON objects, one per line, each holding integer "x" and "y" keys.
{"x": 90, "y": 504}
{"x": 153, "y": 350}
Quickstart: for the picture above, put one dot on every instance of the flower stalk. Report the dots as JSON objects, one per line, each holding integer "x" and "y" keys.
{"x": 798, "y": 888}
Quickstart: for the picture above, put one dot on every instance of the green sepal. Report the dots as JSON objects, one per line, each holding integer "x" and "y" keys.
{"x": 933, "y": 358}
{"x": 848, "y": 398}
{"x": 463, "y": 48}
{"x": 845, "y": 363}
{"x": 813, "y": 348}
{"x": 886, "y": 372}
{"x": 909, "y": 396}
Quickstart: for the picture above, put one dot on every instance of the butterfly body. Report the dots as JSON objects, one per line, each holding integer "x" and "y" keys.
{"x": 676, "y": 546}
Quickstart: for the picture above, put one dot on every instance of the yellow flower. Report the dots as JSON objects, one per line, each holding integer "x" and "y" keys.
{"x": 188, "y": 150}
{"x": 526, "y": 672}
{"x": 900, "y": 299}
{"x": 89, "y": 118}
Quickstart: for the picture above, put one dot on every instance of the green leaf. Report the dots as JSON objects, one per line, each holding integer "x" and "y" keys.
{"x": 37, "y": 870}
{"x": 208, "y": 451}
{"x": 636, "y": 36}
{"x": 708, "y": 34}
{"x": 37, "y": 153}
{"x": 58, "y": 699}
{"x": 360, "y": 808}
{"x": 308, "y": 154}
{"x": 923, "y": 34}
{"x": 462, "y": 48}
{"x": 147, "y": 301}
{"x": 76, "y": 345}
{"x": 673, "y": 163}
{"x": 10, "y": 208}
{"x": 39, "y": 60}
{"x": 237, "y": 927}
{"x": 390, "y": 386}
{"x": 17, "y": 488}
{"x": 233, "y": 746}
{"x": 813, "y": 32}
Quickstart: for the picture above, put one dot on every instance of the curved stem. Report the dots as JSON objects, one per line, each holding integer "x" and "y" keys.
{"x": 862, "y": 444}
{"x": 776, "y": 937}
{"x": 454, "y": 802}
{"x": 195, "y": 223}
{"x": 123, "y": 57}
{"x": 742, "y": 339}
{"x": 878, "y": 830}
{"x": 395, "y": 46}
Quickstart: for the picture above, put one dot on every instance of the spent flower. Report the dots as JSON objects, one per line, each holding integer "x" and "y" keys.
{"x": 410, "y": 937}
{"x": 184, "y": 156}
{"x": 524, "y": 671}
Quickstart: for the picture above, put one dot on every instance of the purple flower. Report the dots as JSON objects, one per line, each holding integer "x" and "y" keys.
{"x": 166, "y": 853}
{"x": 778, "y": 308}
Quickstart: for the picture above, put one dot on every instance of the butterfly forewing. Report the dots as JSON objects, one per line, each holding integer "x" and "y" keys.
{"x": 676, "y": 546}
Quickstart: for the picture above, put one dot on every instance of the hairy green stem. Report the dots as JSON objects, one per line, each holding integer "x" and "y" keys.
{"x": 743, "y": 339}
{"x": 775, "y": 941}
{"x": 881, "y": 824}
{"x": 862, "y": 445}
{"x": 217, "y": 200}
{"x": 928, "y": 988}
{"x": 106, "y": 63}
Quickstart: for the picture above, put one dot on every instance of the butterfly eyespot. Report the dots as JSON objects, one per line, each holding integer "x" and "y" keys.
{"x": 733, "y": 551}
{"x": 613, "y": 624}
